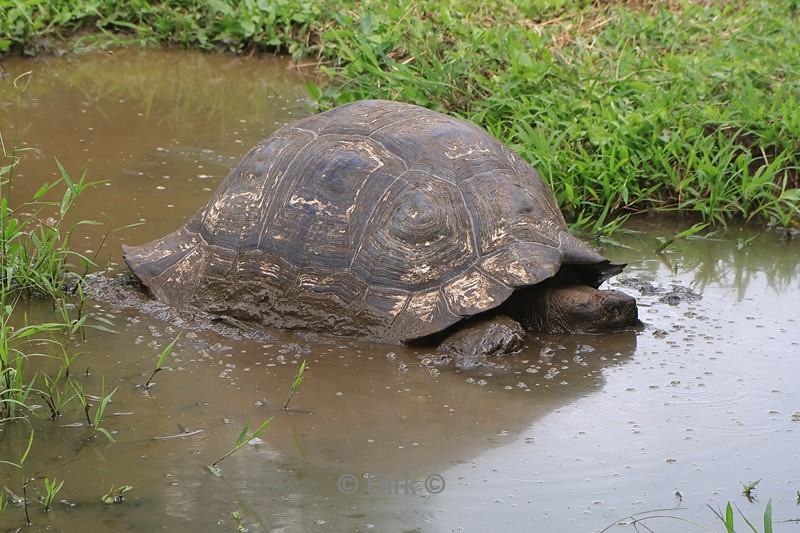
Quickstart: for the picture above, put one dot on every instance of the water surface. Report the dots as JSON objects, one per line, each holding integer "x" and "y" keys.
{"x": 574, "y": 434}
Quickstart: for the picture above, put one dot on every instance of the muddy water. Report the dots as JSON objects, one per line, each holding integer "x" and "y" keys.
{"x": 158, "y": 129}
{"x": 573, "y": 434}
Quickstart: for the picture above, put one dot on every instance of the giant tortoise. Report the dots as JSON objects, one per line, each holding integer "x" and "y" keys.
{"x": 384, "y": 221}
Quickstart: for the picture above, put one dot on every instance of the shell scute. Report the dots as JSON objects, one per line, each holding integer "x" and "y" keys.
{"x": 474, "y": 292}
{"x": 420, "y": 235}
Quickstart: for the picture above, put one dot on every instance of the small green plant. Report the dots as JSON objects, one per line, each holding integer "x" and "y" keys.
{"x": 101, "y": 409}
{"x": 67, "y": 359}
{"x": 52, "y": 394}
{"x": 103, "y": 400}
{"x": 36, "y": 246}
{"x": 115, "y": 496}
{"x": 666, "y": 243}
{"x": 162, "y": 358}
{"x": 748, "y": 490}
{"x": 237, "y": 517}
{"x": 78, "y": 388}
{"x": 20, "y": 465}
{"x": 240, "y": 441}
{"x": 51, "y": 489}
{"x": 16, "y": 385}
{"x": 299, "y": 378}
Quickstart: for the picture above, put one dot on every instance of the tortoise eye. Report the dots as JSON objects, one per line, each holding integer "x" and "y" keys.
{"x": 612, "y": 308}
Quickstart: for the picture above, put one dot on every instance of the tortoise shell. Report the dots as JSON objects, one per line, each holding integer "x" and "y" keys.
{"x": 376, "y": 219}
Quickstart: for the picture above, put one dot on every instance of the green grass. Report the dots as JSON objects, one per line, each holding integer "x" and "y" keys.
{"x": 115, "y": 496}
{"x": 241, "y": 441}
{"x": 684, "y": 105}
{"x": 641, "y": 521}
{"x": 299, "y": 378}
{"x": 165, "y": 353}
{"x": 728, "y": 518}
{"x": 621, "y": 109}
{"x": 36, "y": 262}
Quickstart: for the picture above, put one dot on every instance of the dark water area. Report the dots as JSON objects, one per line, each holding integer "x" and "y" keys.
{"x": 573, "y": 434}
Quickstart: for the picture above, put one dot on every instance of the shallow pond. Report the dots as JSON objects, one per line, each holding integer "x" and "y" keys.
{"x": 574, "y": 434}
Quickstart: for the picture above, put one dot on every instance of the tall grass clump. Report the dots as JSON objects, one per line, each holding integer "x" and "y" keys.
{"x": 36, "y": 262}
{"x": 287, "y": 26}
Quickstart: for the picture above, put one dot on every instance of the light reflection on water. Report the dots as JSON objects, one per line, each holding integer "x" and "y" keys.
{"x": 571, "y": 435}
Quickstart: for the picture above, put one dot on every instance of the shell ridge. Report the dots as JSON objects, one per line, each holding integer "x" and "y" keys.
{"x": 550, "y": 201}
{"x": 473, "y": 227}
{"x": 397, "y": 122}
{"x": 369, "y": 217}
{"x": 402, "y": 311}
{"x": 196, "y": 267}
{"x": 281, "y": 183}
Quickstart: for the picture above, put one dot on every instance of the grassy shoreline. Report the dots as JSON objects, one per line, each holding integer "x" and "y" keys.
{"x": 623, "y": 107}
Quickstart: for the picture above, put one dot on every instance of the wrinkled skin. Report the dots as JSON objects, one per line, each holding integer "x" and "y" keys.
{"x": 560, "y": 309}
{"x": 579, "y": 309}
{"x": 490, "y": 337}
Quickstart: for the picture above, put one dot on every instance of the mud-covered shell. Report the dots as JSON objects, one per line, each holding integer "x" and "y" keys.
{"x": 376, "y": 219}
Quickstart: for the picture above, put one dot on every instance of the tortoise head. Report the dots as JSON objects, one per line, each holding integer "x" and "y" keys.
{"x": 580, "y": 309}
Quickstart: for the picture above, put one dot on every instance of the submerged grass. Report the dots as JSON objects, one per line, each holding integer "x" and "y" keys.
{"x": 623, "y": 107}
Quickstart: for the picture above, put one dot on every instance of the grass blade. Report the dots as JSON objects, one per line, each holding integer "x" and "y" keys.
{"x": 27, "y": 450}
{"x": 768, "y": 517}
{"x": 729, "y": 518}
{"x": 240, "y": 440}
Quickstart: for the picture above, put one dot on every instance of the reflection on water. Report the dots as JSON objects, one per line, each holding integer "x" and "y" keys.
{"x": 571, "y": 435}
{"x": 735, "y": 257}
{"x": 159, "y": 128}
